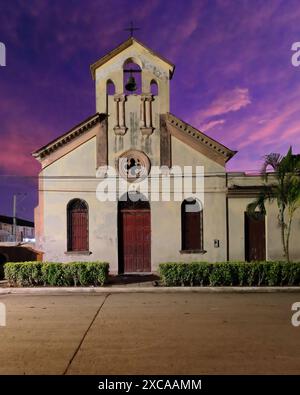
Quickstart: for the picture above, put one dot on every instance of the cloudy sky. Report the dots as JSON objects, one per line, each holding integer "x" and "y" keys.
{"x": 234, "y": 78}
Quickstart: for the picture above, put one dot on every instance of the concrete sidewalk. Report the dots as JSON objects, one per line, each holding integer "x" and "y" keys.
{"x": 141, "y": 289}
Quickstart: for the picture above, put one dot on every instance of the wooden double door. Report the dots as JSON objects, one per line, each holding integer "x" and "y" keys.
{"x": 134, "y": 241}
{"x": 255, "y": 237}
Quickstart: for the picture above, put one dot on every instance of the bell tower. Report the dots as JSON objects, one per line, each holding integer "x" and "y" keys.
{"x": 133, "y": 88}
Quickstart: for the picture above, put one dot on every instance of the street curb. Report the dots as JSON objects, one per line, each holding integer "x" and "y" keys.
{"x": 105, "y": 290}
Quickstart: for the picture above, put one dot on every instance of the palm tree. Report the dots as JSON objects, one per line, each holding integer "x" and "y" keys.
{"x": 285, "y": 191}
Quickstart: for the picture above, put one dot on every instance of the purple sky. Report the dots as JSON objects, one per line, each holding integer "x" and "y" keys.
{"x": 233, "y": 79}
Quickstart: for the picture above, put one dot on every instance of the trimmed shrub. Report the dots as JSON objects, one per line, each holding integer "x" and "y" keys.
{"x": 23, "y": 273}
{"x": 56, "y": 274}
{"x": 87, "y": 273}
{"x": 230, "y": 274}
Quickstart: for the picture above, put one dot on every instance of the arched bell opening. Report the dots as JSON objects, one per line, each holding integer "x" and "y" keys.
{"x": 154, "y": 88}
{"x": 110, "y": 88}
{"x": 132, "y": 77}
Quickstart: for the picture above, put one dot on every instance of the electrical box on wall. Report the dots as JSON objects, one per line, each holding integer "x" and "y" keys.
{"x": 216, "y": 243}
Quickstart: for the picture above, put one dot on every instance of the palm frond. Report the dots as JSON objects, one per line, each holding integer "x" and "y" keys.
{"x": 271, "y": 160}
{"x": 258, "y": 204}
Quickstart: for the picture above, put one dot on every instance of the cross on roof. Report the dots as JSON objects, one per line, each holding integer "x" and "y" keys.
{"x": 131, "y": 29}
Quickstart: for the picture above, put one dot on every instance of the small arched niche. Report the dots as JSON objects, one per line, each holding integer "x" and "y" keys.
{"x": 132, "y": 73}
{"x": 154, "y": 88}
{"x": 110, "y": 88}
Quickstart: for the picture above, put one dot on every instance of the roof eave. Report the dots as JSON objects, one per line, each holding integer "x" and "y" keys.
{"x": 221, "y": 150}
{"x": 76, "y": 130}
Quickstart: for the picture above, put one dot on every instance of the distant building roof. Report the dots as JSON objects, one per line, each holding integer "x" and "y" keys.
{"x": 21, "y": 222}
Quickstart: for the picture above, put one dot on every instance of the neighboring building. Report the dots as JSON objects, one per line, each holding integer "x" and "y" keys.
{"x": 19, "y": 248}
{"x": 132, "y": 132}
{"x": 10, "y": 252}
{"x": 24, "y": 230}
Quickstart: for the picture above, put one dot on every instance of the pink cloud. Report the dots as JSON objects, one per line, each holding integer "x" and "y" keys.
{"x": 16, "y": 148}
{"x": 211, "y": 124}
{"x": 229, "y": 101}
{"x": 281, "y": 126}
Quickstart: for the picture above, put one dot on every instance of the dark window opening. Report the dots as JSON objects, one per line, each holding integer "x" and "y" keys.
{"x": 77, "y": 217}
{"x": 191, "y": 225}
{"x": 154, "y": 88}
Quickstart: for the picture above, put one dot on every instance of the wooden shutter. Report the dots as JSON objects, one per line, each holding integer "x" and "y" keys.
{"x": 192, "y": 228}
{"x": 78, "y": 226}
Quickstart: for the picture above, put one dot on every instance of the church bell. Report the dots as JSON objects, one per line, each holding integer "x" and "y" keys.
{"x": 131, "y": 84}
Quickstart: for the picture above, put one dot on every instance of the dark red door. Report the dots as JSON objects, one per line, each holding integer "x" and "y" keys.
{"x": 135, "y": 240}
{"x": 192, "y": 231}
{"x": 79, "y": 230}
{"x": 255, "y": 237}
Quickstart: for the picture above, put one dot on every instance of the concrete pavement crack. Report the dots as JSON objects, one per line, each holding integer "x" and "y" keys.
{"x": 85, "y": 334}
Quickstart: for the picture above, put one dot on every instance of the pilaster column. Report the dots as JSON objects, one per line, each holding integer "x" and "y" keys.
{"x": 120, "y": 128}
{"x": 143, "y": 112}
{"x": 117, "y": 112}
{"x": 148, "y": 113}
{"x": 122, "y": 111}
{"x": 146, "y": 118}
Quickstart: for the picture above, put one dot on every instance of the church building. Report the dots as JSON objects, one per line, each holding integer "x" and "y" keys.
{"x": 135, "y": 141}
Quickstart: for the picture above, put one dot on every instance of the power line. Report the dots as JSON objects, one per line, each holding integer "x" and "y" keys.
{"x": 205, "y": 174}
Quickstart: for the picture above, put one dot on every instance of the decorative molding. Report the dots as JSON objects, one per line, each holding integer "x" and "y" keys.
{"x": 134, "y": 160}
{"x": 159, "y": 73}
{"x": 193, "y": 252}
{"x": 120, "y": 131}
{"x": 198, "y": 140}
{"x": 74, "y": 133}
{"x": 147, "y": 131}
{"x": 146, "y": 114}
{"x": 246, "y": 191}
{"x": 78, "y": 252}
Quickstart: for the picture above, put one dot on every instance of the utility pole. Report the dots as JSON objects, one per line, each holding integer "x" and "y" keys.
{"x": 15, "y": 217}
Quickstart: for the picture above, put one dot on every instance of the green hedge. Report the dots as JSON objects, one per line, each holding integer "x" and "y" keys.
{"x": 56, "y": 274}
{"x": 230, "y": 274}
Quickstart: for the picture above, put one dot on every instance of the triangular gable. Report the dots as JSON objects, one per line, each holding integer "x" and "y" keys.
{"x": 126, "y": 44}
{"x": 198, "y": 140}
{"x": 69, "y": 140}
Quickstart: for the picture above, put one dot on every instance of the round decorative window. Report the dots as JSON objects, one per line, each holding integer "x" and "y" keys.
{"x": 134, "y": 165}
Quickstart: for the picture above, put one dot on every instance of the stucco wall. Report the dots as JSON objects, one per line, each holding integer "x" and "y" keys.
{"x": 57, "y": 191}
{"x": 165, "y": 216}
{"x": 274, "y": 251}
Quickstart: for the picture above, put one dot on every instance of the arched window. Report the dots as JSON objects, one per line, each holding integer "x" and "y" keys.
{"x": 110, "y": 88}
{"x": 78, "y": 234}
{"x": 154, "y": 88}
{"x": 191, "y": 225}
{"x": 132, "y": 78}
